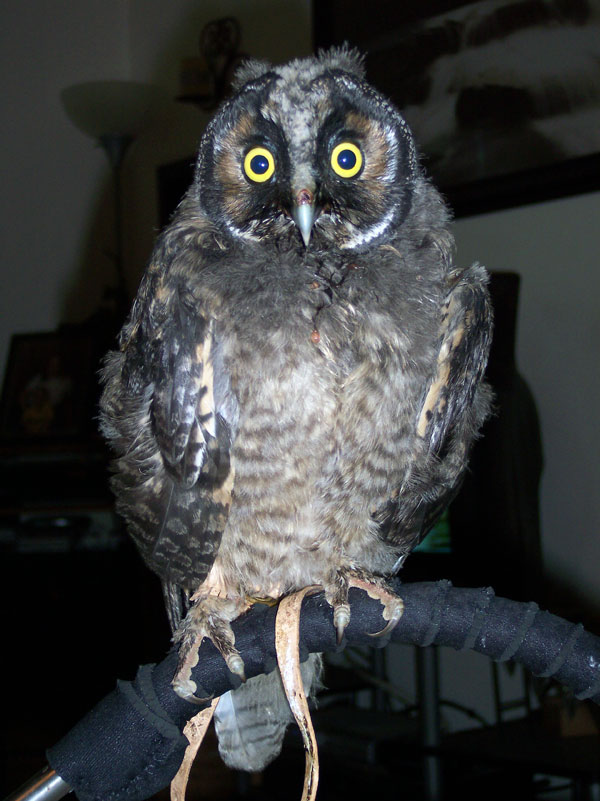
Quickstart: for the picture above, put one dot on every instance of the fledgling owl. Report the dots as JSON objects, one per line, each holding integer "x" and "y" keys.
{"x": 299, "y": 381}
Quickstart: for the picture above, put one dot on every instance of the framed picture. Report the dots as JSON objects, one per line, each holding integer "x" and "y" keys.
{"x": 48, "y": 388}
{"x": 503, "y": 96}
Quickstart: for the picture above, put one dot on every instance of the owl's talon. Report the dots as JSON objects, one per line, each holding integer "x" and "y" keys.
{"x": 375, "y": 587}
{"x": 385, "y": 630}
{"x": 235, "y": 663}
{"x": 393, "y": 611}
{"x": 209, "y": 617}
{"x": 341, "y": 618}
{"x": 186, "y": 689}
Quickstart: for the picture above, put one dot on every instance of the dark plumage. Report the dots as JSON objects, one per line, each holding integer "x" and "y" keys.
{"x": 283, "y": 413}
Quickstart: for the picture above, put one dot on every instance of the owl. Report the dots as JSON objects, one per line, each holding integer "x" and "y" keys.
{"x": 300, "y": 378}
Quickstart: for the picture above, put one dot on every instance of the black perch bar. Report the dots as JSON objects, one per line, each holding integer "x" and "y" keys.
{"x": 130, "y": 745}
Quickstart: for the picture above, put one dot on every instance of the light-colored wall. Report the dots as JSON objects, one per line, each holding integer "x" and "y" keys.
{"x": 56, "y": 223}
{"x": 56, "y": 190}
{"x": 555, "y": 247}
{"x": 51, "y": 174}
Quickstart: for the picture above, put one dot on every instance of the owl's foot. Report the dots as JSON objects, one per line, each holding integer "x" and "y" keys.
{"x": 375, "y": 587}
{"x": 210, "y": 617}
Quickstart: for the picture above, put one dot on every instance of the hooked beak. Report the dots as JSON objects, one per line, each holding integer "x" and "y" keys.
{"x": 304, "y": 213}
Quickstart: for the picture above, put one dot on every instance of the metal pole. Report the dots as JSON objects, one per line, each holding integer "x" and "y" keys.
{"x": 429, "y": 693}
{"x": 115, "y": 146}
{"x": 44, "y": 786}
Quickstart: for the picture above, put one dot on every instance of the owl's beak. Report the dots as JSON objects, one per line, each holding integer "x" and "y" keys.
{"x": 303, "y": 213}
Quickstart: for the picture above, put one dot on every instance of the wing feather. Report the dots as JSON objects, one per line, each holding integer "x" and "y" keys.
{"x": 465, "y": 336}
{"x": 454, "y": 405}
{"x": 173, "y": 478}
{"x": 183, "y": 406}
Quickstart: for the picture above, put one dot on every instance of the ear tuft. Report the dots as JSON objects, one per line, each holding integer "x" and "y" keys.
{"x": 249, "y": 70}
{"x": 344, "y": 57}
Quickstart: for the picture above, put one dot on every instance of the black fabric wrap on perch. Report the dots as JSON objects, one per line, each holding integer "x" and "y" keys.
{"x": 130, "y": 745}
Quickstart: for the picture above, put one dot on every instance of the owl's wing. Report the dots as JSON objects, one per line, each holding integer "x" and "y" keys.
{"x": 184, "y": 418}
{"x": 454, "y": 405}
{"x": 173, "y": 479}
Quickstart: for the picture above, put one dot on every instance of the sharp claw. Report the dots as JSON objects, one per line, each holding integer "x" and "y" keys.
{"x": 385, "y": 630}
{"x": 341, "y": 618}
{"x": 185, "y": 688}
{"x": 396, "y": 615}
{"x": 235, "y": 663}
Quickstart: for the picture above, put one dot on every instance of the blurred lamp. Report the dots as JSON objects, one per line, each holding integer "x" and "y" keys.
{"x": 113, "y": 113}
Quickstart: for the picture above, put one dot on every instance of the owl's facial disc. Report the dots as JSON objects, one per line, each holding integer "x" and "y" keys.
{"x": 318, "y": 156}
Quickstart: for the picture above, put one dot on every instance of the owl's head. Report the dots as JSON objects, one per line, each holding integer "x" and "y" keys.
{"x": 310, "y": 150}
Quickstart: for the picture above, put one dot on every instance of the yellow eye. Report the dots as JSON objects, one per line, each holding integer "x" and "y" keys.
{"x": 259, "y": 164}
{"x": 346, "y": 160}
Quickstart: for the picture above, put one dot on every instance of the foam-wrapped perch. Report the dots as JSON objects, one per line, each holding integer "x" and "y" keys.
{"x": 131, "y": 744}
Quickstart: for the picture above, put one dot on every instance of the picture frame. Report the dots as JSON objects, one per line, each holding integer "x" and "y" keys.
{"x": 503, "y": 97}
{"x": 48, "y": 389}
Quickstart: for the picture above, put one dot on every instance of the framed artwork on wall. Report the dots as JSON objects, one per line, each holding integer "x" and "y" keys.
{"x": 48, "y": 389}
{"x": 503, "y": 95}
